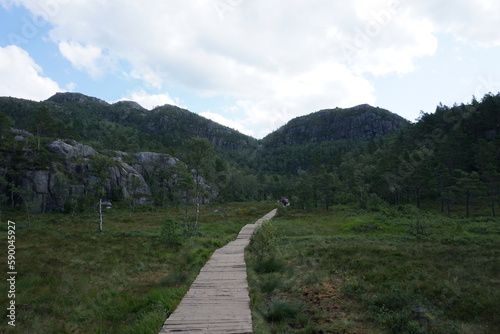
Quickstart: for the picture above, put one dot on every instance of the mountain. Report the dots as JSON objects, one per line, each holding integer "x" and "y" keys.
{"x": 124, "y": 125}
{"x": 325, "y": 138}
{"x": 72, "y": 148}
{"x": 71, "y": 145}
{"x": 363, "y": 121}
{"x": 172, "y": 124}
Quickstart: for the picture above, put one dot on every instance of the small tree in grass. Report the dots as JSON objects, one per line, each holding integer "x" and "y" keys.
{"x": 172, "y": 234}
{"x": 264, "y": 240}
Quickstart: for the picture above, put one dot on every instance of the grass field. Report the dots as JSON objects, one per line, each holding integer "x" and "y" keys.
{"x": 127, "y": 279}
{"x": 399, "y": 270}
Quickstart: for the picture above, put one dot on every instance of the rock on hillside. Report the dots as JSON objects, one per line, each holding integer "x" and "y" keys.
{"x": 70, "y": 149}
{"x": 76, "y": 172}
{"x": 74, "y": 97}
{"x": 363, "y": 121}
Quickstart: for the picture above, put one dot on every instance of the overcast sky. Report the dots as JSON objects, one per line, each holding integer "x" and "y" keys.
{"x": 253, "y": 64}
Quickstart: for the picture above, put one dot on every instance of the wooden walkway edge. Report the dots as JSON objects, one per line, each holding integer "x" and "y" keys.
{"x": 218, "y": 300}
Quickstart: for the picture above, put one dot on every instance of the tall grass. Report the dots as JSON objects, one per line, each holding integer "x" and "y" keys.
{"x": 127, "y": 279}
{"x": 401, "y": 271}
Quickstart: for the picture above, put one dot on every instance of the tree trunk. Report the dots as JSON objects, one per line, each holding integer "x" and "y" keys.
{"x": 100, "y": 214}
{"x": 197, "y": 214}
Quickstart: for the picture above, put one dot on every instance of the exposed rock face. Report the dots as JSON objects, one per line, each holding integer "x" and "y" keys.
{"x": 129, "y": 105}
{"x": 150, "y": 162}
{"x": 70, "y": 149}
{"x": 50, "y": 189}
{"x": 79, "y": 174}
{"x": 82, "y": 171}
{"x": 36, "y": 189}
{"x": 159, "y": 159}
{"x": 75, "y": 97}
{"x": 130, "y": 183}
{"x": 362, "y": 121}
{"x": 20, "y": 132}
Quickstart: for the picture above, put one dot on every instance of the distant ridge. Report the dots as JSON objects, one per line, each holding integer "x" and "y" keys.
{"x": 362, "y": 121}
{"x": 74, "y": 97}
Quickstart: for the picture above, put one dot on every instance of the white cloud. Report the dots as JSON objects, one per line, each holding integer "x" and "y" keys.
{"x": 22, "y": 77}
{"x": 150, "y": 101}
{"x": 70, "y": 87}
{"x": 472, "y": 22}
{"x": 87, "y": 58}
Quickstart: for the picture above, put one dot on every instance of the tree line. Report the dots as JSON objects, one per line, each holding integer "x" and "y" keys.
{"x": 450, "y": 158}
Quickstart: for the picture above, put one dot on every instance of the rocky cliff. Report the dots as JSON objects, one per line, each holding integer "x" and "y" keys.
{"x": 67, "y": 173}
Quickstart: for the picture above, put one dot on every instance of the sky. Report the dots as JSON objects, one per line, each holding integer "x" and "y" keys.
{"x": 253, "y": 65}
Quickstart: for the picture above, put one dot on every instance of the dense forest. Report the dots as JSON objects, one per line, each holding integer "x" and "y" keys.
{"x": 449, "y": 159}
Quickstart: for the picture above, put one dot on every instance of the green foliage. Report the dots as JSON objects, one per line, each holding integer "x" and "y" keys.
{"x": 268, "y": 264}
{"x": 172, "y": 234}
{"x": 280, "y": 310}
{"x": 383, "y": 280}
{"x": 263, "y": 242}
{"x": 282, "y": 210}
{"x": 123, "y": 280}
{"x": 447, "y": 159}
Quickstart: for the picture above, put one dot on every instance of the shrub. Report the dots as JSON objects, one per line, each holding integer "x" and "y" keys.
{"x": 270, "y": 283}
{"x": 282, "y": 211}
{"x": 263, "y": 241}
{"x": 282, "y": 310}
{"x": 268, "y": 265}
{"x": 172, "y": 233}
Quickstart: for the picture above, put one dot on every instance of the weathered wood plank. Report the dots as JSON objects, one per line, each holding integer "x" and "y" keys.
{"x": 218, "y": 300}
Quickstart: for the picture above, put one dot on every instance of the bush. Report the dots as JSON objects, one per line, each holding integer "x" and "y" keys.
{"x": 270, "y": 283}
{"x": 282, "y": 310}
{"x": 282, "y": 211}
{"x": 172, "y": 233}
{"x": 264, "y": 239}
{"x": 268, "y": 265}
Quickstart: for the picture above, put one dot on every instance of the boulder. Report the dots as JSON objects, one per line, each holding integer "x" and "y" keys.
{"x": 158, "y": 159}
{"x": 70, "y": 149}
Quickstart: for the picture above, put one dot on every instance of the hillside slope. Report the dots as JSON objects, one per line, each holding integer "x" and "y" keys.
{"x": 123, "y": 125}
{"x": 363, "y": 121}
{"x": 126, "y": 128}
{"x": 325, "y": 138}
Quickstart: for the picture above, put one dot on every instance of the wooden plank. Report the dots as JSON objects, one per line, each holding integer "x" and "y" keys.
{"x": 218, "y": 300}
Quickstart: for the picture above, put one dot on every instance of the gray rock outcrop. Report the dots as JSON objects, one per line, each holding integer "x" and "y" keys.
{"x": 69, "y": 149}
{"x": 81, "y": 172}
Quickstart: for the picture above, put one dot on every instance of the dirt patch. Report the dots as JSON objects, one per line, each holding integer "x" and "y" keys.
{"x": 330, "y": 309}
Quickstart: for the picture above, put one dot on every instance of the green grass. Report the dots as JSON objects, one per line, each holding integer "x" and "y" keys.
{"x": 397, "y": 271}
{"x": 73, "y": 279}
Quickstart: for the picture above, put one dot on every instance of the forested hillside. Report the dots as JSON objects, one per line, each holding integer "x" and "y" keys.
{"x": 363, "y": 155}
{"x": 124, "y": 126}
{"x": 450, "y": 157}
{"x": 324, "y": 137}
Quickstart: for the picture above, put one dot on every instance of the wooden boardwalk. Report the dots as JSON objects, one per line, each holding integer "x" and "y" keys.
{"x": 218, "y": 300}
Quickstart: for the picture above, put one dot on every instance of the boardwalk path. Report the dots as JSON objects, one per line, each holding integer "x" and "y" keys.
{"x": 218, "y": 300}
